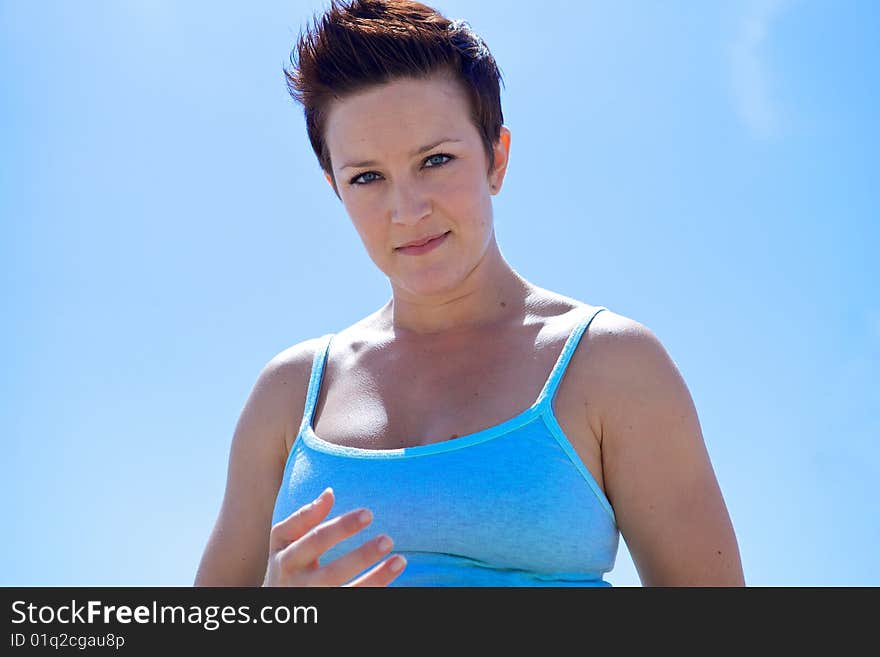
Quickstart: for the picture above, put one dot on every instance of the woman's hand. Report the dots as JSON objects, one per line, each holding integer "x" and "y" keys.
{"x": 297, "y": 543}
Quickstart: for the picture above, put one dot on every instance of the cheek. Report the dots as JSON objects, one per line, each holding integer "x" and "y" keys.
{"x": 462, "y": 195}
{"x": 472, "y": 209}
{"x": 364, "y": 212}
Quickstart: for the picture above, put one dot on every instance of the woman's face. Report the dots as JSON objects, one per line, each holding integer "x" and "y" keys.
{"x": 409, "y": 164}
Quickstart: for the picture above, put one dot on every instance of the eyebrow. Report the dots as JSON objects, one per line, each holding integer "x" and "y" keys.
{"x": 418, "y": 151}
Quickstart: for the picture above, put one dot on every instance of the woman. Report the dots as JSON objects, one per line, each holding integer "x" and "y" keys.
{"x": 476, "y": 430}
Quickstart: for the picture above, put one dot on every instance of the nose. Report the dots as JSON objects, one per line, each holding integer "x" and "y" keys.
{"x": 410, "y": 203}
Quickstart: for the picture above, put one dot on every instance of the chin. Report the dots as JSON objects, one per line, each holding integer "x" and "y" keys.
{"x": 429, "y": 283}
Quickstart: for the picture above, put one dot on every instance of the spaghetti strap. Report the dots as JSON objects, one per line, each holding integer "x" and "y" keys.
{"x": 483, "y": 489}
{"x": 314, "y": 388}
{"x": 558, "y": 371}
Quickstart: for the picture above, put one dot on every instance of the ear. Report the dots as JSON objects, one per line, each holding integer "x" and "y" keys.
{"x": 332, "y": 183}
{"x": 501, "y": 152}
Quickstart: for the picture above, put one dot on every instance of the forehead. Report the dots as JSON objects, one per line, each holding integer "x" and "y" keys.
{"x": 397, "y": 114}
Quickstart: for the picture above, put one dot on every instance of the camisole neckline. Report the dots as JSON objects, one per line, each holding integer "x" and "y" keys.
{"x": 543, "y": 405}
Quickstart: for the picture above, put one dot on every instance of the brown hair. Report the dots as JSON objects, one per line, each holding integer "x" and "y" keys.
{"x": 368, "y": 42}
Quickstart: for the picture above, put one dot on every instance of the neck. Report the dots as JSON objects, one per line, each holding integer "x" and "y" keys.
{"x": 491, "y": 294}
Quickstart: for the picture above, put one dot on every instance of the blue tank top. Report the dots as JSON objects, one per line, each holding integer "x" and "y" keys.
{"x": 510, "y": 505}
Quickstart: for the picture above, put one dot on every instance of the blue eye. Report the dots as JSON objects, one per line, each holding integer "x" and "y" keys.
{"x": 448, "y": 157}
{"x": 359, "y": 180}
{"x": 354, "y": 181}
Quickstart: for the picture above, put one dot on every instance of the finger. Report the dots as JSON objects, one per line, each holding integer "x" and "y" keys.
{"x": 383, "y": 574}
{"x": 343, "y": 568}
{"x": 300, "y": 521}
{"x": 307, "y": 550}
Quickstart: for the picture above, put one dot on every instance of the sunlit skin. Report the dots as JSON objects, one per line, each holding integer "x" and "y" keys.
{"x": 403, "y": 196}
{"x": 638, "y": 426}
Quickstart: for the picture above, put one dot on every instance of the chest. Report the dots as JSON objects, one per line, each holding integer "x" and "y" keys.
{"x": 510, "y": 503}
{"x": 396, "y": 405}
{"x": 387, "y": 399}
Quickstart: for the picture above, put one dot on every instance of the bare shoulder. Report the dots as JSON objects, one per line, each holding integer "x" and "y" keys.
{"x": 636, "y": 376}
{"x": 294, "y": 360}
{"x": 235, "y": 554}
{"x": 618, "y": 334}
{"x": 616, "y": 353}
{"x": 624, "y": 351}
{"x": 283, "y": 383}
{"x": 630, "y": 373}
{"x": 658, "y": 474}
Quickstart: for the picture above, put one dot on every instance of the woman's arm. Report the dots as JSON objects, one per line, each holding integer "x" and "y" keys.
{"x": 238, "y": 548}
{"x": 657, "y": 472}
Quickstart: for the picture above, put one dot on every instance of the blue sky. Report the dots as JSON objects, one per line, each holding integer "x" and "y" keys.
{"x": 708, "y": 169}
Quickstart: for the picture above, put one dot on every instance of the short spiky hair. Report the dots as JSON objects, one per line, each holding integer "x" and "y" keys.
{"x": 358, "y": 44}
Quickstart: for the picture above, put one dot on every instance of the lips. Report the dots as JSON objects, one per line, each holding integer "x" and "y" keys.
{"x": 423, "y": 241}
{"x": 426, "y": 247}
